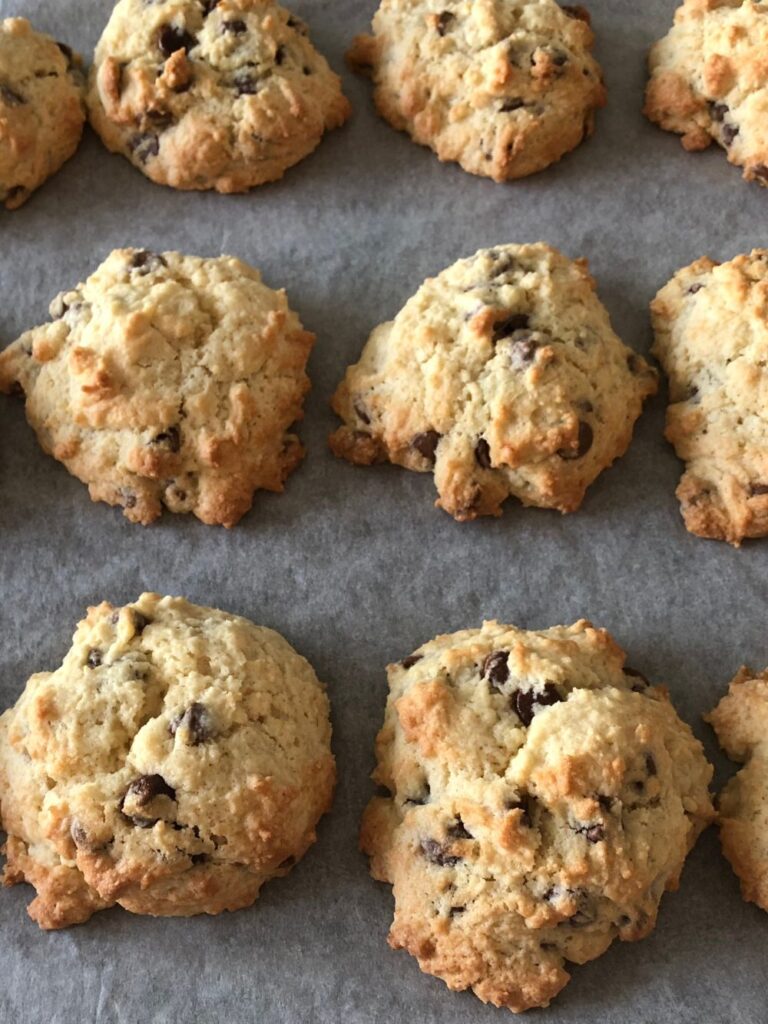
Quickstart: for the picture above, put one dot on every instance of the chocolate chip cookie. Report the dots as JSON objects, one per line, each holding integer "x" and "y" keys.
{"x": 177, "y": 760}
{"x": 502, "y": 376}
{"x": 200, "y": 94}
{"x": 41, "y": 108}
{"x": 503, "y": 87}
{"x": 712, "y": 340}
{"x": 709, "y": 80}
{"x": 167, "y": 381}
{"x": 741, "y": 723}
{"x": 542, "y": 796}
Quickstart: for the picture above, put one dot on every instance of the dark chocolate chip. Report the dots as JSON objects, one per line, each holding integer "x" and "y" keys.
{"x": 444, "y": 19}
{"x": 695, "y": 287}
{"x": 171, "y": 38}
{"x": 605, "y": 801}
{"x": 526, "y": 703}
{"x": 235, "y": 27}
{"x": 79, "y": 836}
{"x": 592, "y": 833}
{"x": 10, "y": 97}
{"x": 650, "y": 764}
{"x": 95, "y": 658}
{"x": 128, "y": 498}
{"x": 757, "y": 488}
{"x": 522, "y": 350}
{"x": 144, "y": 145}
{"x": 459, "y": 830}
{"x": 496, "y": 669}
{"x": 170, "y": 439}
{"x": 411, "y": 660}
{"x": 483, "y": 453}
{"x": 143, "y": 790}
{"x": 717, "y": 111}
{"x": 245, "y": 84}
{"x": 455, "y": 911}
{"x": 306, "y": 70}
{"x": 512, "y": 104}
{"x": 426, "y": 444}
{"x": 729, "y": 133}
{"x": 362, "y": 414}
{"x": 197, "y": 721}
{"x": 584, "y": 443}
{"x": 279, "y": 55}
{"x": 145, "y": 261}
{"x": 513, "y": 322}
{"x": 437, "y": 854}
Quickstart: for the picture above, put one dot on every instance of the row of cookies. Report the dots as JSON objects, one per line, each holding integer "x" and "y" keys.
{"x": 538, "y": 795}
{"x": 228, "y": 94}
{"x": 174, "y": 381}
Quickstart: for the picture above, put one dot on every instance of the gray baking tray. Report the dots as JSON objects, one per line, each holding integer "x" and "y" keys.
{"x": 357, "y": 568}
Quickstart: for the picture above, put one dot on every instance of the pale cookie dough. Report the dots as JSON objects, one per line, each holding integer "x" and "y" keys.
{"x": 542, "y": 798}
{"x": 503, "y": 87}
{"x": 205, "y": 95}
{"x": 177, "y": 760}
{"x": 741, "y": 723}
{"x": 167, "y": 381}
{"x": 504, "y": 377}
{"x": 41, "y": 108}
{"x": 709, "y": 80}
{"x": 711, "y": 325}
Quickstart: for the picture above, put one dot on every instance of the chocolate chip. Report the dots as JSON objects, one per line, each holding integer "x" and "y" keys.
{"x": 526, "y": 703}
{"x": 79, "y": 836}
{"x": 695, "y": 287}
{"x": 483, "y": 453}
{"x": 522, "y": 349}
{"x": 496, "y": 669}
{"x": 444, "y": 19}
{"x": 145, "y": 261}
{"x": 426, "y": 444}
{"x": 650, "y": 765}
{"x": 172, "y": 38}
{"x": 437, "y": 854}
{"x": 362, "y": 414}
{"x": 10, "y": 97}
{"x": 717, "y": 111}
{"x": 605, "y": 801}
{"x": 513, "y": 104}
{"x": 143, "y": 790}
{"x": 584, "y": 443}
{"x": 128, "y": 498}
{"x": 729, "y": 133}
{"x": 514, "y": 322}
{"x": 144, "y": 145}
{"x": 411, "y": 660}
{"x": 245, "y": 84}
{"x": 307, "y": 71}
{"x": 196, "y": 720}
{"x": 760, "y": 171}
{"x": 279, "y": 55}
{"x": 559, "y": 60}
{"x": 458, "y": 830}
{"x": 757, "y": 488}
{"x": 455, "y": 911}
{"x": 592, "y": 833}
{"x": 170, "y": 439}
{"x": 235, "y": 27}
{"x": 641, "y": 684}
{"x": 94, "y": 658}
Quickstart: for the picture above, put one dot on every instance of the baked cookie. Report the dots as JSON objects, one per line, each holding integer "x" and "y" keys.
{"x": 741, "y": 723}
{"x": 167, "y": 381}
{"x": 199, "y": 94}
{"x": 41, "y": 108}
{"x": 712, "y": 340}
{"x": 709, "y": 80}
{"x": 542, "y": 798}
{"x": 503, "y": 87}
{"x": 178, "y": 759}
{"x": 503, "y": 375}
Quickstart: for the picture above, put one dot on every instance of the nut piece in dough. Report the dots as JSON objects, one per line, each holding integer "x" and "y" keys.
{"x": 503, "y": 87}
{"x": 542, "y": 798}
{"x": 711, "y": 333}
{"x": 709, "y": 80}
{"x": 503, "y": 376}
{"x": 167, "y": 381}
{"x": 205, "y": 95}
{"x": 178, "y": 759}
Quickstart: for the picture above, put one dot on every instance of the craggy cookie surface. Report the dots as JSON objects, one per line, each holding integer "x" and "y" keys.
{"x": 543, "y": 797}
{"x": 178, "y": 759}
{"x": 711, "y": 325}
{"x": 741, "y": 723}
{"x": 709, "y": 80}
{"x": 504, "y": 87}
{"x": 199, "y": 94}
{"x": 504, "y": 377}
{"x": 41, "y": 108}
{"x": 167, "y": 381}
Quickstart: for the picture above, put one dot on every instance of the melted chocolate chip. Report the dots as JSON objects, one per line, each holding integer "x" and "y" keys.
{"x": 729, "y": 133}
{"x": 526, "y": 703}
{"x": 143, "y": 790}
{"x": 145, "y": 261}
{"x": 522, "y": 350}
{"x": 196, "y": 720}
{"x": 411, "y": 660}
{"x": 235, "y": 27}
{"x": 171, "y": 38}
{"x": 437, "y": 854}
{"x": 245, "y": 84}
{"x": 455, "y": 911}
{"x": 94, "y": 658}
{"x": 514, "y": 322}
{"x": 426, "y": 444}
{"x": 584, "y": 443}
{"x": 144, "y": 145}
{"x": 496, "y": 669}
{"x": 483, "y": 453}
{"x": 10, "y": 97}
{"x": 512, "y": 104}
{"x": 592, "y": 833}
{"x": 717, "y": 111}
{"x": 459, "y": 830}
{"x": 444, "y": 19}
{"x": 170, "y": 439}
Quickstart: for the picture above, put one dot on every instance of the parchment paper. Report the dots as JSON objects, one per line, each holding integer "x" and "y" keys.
{"x": 356, "y": 568}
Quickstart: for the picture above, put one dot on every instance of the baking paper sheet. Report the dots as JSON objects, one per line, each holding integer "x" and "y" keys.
{"x": 357, "y": 568}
